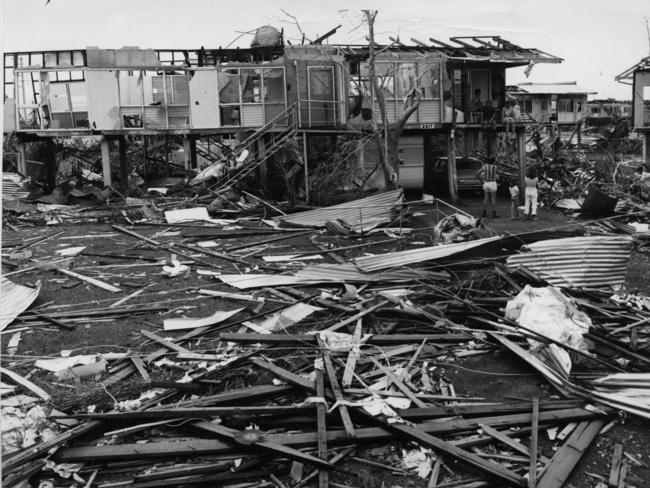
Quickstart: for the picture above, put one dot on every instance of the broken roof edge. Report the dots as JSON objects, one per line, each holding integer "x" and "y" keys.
{"x": 553, "y": 88}
{"x": 626, "y": 76}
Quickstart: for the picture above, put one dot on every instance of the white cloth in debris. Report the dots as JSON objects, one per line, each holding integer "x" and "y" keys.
{"x": 547, "y": 311}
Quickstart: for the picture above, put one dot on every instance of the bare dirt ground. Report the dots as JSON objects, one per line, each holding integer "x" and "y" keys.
{"x": 496, "y": 376}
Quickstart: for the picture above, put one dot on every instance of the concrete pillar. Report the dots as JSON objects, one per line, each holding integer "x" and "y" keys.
{"x": 124, "y": 170}
{"x": 451, "y": 166}
{"x": 21, "y": 156}
{"x": 106, "y": 162}
{"x": 521, "y": 157}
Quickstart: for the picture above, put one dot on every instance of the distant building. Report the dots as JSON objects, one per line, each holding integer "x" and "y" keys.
{"x": 566, "y": 101}
{"x": 609, "y": 107}
{"x": 639, "y": 77}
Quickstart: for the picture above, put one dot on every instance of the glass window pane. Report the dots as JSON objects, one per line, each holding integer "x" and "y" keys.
{"x": 9, "y": 59}
{"x": 78, "y": 58}
{"x": 321, "y": 83}
{"x": 386, "y": 78}
{"x": 58, "y": 98}
{"x": 9, "y": 75}
{"x": 406, "y": 78}
{"x": 158, "y": 95}
{"x": 36, "y": 59}
{"x": 274, "y": 85}
{"x": 65, "y": 58}
{"x": 178, "y": 90}
{"x": 251, "y": 86}
{"x": 153, "y": 88}
{"x": 228, "y": 82}
{"x": 23, "y": 60}
{"x": 50, "y": 59}
{"x": 430, "y": 81}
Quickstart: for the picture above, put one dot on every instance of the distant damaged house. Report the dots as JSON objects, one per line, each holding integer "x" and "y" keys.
{"x": 609, "y": 108}
{"x": 639, "y": 77}
{"x": 263, "y": 96}
{"x": 564, "y": 103}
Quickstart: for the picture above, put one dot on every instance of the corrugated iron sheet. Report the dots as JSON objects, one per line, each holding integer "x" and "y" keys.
{"x": 412, "y": 256}
{"x": 14, "y": 300}
{"x": 328, "y": 273}
{"x": 12, "y": 186}
{"x": 578, "y": 261}
{"x": 355, "y": 212}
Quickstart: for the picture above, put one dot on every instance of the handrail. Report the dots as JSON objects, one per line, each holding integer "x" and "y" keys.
{"x": 287, "y": 113}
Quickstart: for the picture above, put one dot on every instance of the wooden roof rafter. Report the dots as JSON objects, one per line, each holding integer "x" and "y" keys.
{"x": 627, "y": 75}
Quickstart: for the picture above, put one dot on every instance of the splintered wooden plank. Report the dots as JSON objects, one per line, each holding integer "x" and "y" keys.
{"x": 269, "y": 446}
{"x": 338, "y": 393}
{"x": 500, "y": 436}
{"x": 321, "y": 425}
{"x": 357, "y": 316}
{"x": 168, "y": 344}
{"x": 532, "y": 473}
{"x": 399, "y": 384}
{"x": 25, "y": 383}
{"x": 565, "y": 458}
{"x": 615, "y": 469}
{"x": 139, "y": 365}
{"x": 200, "y": 447}
{"x": 376, "y": 339}
{"x": 284, "y": 374}
{"x": 492, "y": 468}
{"x": 353, "y": 356}
{"x": 41, "y": 449}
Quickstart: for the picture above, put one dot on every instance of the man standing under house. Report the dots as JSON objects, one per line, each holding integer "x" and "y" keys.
{"x": 489, "y": 176}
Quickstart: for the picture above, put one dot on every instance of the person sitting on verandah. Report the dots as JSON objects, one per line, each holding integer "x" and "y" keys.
{"x": 476, "y": 107}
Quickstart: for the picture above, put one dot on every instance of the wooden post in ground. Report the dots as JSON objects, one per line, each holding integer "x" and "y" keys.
{"x": 124, "y": 170}
{"x": 305, "y": 152}
{"x": 189, "y": 151}
{"x": 579, "y": 133}
{"x": 21, "y": 160}
{"x": 106, "y": 161}
{"x": 521, "y": 159}
{"x": 532, "y": 474}
{"x": 646, "y": 147}
{"x": 451, "y": 166}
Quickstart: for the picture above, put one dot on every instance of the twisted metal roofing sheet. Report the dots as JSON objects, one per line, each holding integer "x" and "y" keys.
{"x": 14, "y": 300}
{"x": 412, "y": 256}
{"x": 329, "y": 273}
{"x": 355, "y": 212}
{"x": 578, "y": 261}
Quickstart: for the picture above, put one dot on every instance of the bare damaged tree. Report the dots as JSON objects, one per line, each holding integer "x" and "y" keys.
{"x": 388, "y": 149}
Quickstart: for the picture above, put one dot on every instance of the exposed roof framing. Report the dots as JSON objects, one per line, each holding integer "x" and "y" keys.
{"x": 626, "y": 76}
{"x": 480, "y": 48}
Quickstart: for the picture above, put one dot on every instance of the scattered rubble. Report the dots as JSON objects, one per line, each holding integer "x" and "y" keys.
{"x": 339, "y": 355}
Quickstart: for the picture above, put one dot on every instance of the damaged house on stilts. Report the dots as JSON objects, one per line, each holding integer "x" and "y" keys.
{"x": 254, "y": 101}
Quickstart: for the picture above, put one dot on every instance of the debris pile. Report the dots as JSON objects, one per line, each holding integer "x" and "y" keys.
{"x": 315, "y": 348}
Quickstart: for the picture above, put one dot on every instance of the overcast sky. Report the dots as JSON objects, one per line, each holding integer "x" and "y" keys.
{"x": 597, "y": 38}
